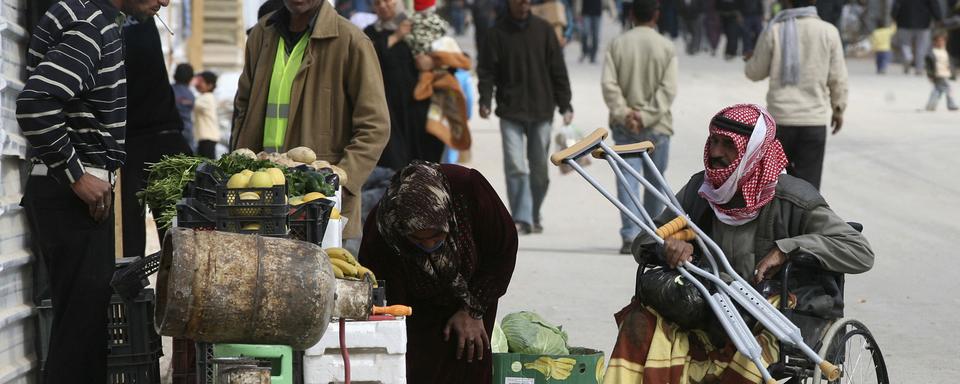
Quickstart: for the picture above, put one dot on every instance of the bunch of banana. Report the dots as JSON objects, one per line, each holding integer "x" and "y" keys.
{"x": 557, "y": 369}
{"x": 346, "y": 266}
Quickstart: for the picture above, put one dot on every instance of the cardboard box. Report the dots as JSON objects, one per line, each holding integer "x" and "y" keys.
{"x": 516, "y": 368}
{"x": 554, "y": 12}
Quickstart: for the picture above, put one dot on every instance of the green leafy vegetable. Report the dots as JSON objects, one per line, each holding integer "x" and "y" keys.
{"x": 234, "y": 163}
{"x": 300, "y": 182}
{"x": 165, "y": 185}
{"x": 528, "y": 333}
{"x": 498, "y": 342}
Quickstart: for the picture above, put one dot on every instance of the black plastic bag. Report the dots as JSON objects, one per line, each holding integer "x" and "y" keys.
{"x": 675, "y": 298}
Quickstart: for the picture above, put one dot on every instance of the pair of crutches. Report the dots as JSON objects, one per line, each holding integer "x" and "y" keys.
{"x": 720, "y": 301}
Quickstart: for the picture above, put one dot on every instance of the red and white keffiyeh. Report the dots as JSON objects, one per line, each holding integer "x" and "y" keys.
{"x": 754, "y": 173}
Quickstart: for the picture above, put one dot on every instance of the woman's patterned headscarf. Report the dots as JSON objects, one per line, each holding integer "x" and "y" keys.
{"x": 419, "y": 198}
{"x": 760, "y": 161}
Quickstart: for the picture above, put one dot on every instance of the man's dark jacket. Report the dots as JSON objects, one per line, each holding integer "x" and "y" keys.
{"x": 524, "y": 62}
{"x": 916, "y": 14}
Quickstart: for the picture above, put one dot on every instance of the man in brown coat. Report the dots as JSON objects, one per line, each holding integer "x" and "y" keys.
{"x": 328, "y": 95}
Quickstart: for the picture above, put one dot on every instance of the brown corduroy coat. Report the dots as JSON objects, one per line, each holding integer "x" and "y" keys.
{"x": 337, "y": 106}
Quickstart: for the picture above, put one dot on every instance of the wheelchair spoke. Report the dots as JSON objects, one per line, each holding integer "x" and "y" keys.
{"x": 859, "y": 365}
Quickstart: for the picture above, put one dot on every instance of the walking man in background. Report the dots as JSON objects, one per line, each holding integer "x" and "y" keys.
{"x": 803, "y": 58}
{"x": 732, "y": 20}
{"x": 592, "y": 13}
{"x": 639, "y": 85}
{"x": 523, "y": 61}
{"x": 914, "y": 18}
{"x": 73, "y": 113}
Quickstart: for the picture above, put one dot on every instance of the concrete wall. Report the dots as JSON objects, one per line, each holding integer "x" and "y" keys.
{"x": 17, "y": 319}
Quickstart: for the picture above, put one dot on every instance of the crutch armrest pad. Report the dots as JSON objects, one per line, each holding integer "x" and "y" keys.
{"x": 625, "y": 149}
{"x": 579, "y": 148}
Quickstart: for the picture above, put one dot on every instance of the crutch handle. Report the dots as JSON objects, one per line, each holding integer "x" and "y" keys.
{"x": 683, "y": 235}
{"x": 625, "y": 149}
{"x": 832, "y": 372}
{"x": 579, "y": 148}
{"x": 672, "y": 227}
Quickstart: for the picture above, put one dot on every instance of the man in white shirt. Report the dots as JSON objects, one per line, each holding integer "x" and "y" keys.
{"x": 639, "y": 85}
{"x": 803, "y": 58}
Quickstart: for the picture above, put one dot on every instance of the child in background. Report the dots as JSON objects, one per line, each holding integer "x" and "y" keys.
{"x": 881, "y": 40}
{"x": 939, "y": 71}
{"x": 206, "y": 129}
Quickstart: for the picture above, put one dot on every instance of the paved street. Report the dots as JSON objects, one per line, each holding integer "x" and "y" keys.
{"x": 892, "y": 168}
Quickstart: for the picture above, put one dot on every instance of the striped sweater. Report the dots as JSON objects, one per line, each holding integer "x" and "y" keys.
{"x": 73, "y": 108}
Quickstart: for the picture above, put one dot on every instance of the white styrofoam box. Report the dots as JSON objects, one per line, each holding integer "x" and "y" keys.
{"x": 388, "y": 335}
{"x": 377, "y": 353}
{"x": 366, "y": 368}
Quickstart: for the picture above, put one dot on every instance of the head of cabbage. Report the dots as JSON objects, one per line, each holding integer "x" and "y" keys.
{"x": 528, "y": 333}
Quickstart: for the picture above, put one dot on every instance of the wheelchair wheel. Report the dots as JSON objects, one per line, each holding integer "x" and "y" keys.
{"x": 851, "y": 346}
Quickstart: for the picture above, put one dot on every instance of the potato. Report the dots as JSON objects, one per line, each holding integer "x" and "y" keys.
{"x": 245, "y": 153}
{"x": 302, "y": 155}
{"x": 320, "y": 164}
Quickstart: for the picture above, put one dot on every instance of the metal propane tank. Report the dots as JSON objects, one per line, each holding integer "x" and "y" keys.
{"x": 221, "y": 287}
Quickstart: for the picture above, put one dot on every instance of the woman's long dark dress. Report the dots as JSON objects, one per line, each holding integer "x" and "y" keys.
{"x": 430, "y": 359}
{"x": 409, "y": 139}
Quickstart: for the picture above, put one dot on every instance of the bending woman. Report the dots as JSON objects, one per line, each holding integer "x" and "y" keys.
{"x": 446, "y": 246}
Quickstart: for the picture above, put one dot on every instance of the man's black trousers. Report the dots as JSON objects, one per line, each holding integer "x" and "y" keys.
{"x": 79, "y": 256}
{"x": 804, "y": 147}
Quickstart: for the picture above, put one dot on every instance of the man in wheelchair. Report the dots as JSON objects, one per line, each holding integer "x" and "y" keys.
{"x": 761, "y": 218}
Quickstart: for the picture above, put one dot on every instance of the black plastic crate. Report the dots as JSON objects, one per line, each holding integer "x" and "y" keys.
{"x": 265, "y": 226}
{"x": 142, "y": 368}
{"x": 270, "y": 199}
{"x": 272, "y": 202}
{"x": 194, "y": 213}
{"x": 130, "y": 325}
{"x": 132, "y": 339}
{"x": 268, "y": 213}
{"x": 308, "y": 222}
{"x": 206, "y": 181}
{"x": 131, "y": 275}
{"x": 203, "y": 188}
{"x": 206, "y": 195}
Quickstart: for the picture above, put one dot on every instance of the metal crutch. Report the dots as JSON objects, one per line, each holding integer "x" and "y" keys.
{"x": 729, "y": 318}
{"x": 742, "y": 292}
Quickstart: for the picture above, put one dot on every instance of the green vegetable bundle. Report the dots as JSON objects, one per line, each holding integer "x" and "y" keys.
{"x": 528, "y": 333}
{"x": 165, "y": 185}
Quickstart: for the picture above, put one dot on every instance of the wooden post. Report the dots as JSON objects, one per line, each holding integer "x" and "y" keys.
{"x": 195, "y": 43}
{"x": 117, "y": 219}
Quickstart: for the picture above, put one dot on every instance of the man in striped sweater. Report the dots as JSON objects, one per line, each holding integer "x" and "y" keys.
{"x": 72, "y": 111}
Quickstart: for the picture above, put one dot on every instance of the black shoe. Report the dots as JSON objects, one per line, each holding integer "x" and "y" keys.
{"x": 537, "y": 228}
{"x": 523, "y": 228}
{"x": 626, "y": 248}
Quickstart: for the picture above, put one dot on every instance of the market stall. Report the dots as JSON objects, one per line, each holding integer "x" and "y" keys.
{"x": 253, "y": 271}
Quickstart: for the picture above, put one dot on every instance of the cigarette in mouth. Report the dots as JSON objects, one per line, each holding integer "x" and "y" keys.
{"x": 164, "y": 24}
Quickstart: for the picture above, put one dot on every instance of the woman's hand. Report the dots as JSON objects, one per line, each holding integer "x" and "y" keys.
{"x": 470, "y": 335}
